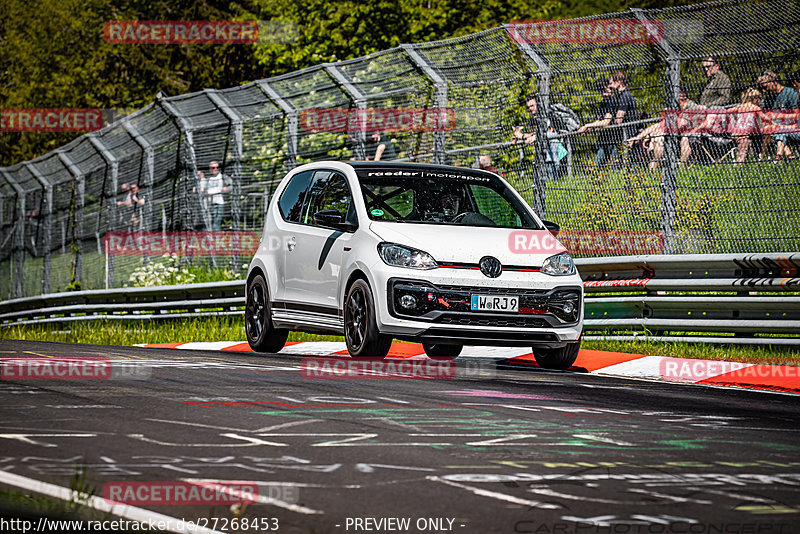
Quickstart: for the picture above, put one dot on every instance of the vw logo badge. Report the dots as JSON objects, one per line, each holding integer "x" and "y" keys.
{"x": 491, "y": 266}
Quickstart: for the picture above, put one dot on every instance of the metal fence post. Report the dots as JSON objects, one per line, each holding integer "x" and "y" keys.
{"x": 669, "y": 170}
{"x": 440, "y": 101}
{"x": 19, "y": 240}
{"x": 360, "y": 101}
{"x": 78, "y": 203}
{"x": 290, "y": 113}
{"x": 541, "y": 144}
{"x": 235, "y": 119}
{"x": 111, "y": 217}
{"x": 186, "y": 128}
{"x": 47, "y": 188}
{"x": 149, "y": 175}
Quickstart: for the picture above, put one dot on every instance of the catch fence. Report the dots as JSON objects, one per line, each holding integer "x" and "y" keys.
{"x": 58, "y": 211}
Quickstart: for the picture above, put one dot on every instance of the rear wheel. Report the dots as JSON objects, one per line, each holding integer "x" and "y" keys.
{"x": 261, "y": 335}
{"x": 561, "y": 358}
{"x": 360, "y": 324}
{"x": 436, "y": 350}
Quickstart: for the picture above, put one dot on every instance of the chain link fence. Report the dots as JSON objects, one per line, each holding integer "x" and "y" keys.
{"x": 669, "y": 191}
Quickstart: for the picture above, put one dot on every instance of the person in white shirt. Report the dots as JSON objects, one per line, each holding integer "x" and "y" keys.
{"x": 214, "y": 188}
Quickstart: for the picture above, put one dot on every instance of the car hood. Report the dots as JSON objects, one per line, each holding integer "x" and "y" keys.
{"x": 468, "y": 244}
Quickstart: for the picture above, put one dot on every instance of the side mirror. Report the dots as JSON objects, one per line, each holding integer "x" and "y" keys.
{"x": 333, "y": 219}
{"x": 553, "y": 227}
{"x": 327, "y": 218}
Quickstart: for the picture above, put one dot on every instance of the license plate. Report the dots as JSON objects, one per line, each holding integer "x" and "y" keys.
{"x": 495, "y": 303}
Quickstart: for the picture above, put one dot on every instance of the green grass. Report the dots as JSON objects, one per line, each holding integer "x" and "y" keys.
{"x": 128, "y": 333}
{"x": 720, "y": 209}
{"x": 707, "y": 351}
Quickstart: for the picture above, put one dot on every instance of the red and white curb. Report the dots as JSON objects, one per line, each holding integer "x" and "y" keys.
{"x": 709, "y": 372}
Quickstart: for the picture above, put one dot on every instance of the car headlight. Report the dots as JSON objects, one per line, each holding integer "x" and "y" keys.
{"x": 400, "y": 256}
{"x": 559, "y": 265}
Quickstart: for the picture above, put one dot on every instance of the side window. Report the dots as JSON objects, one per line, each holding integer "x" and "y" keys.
{"x": 494, "y": 206}
{"x": 328, "y": 191}
{"x": 291, "y": 202}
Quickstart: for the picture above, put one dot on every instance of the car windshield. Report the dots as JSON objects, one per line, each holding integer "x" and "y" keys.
{"x": 430, "y": 196}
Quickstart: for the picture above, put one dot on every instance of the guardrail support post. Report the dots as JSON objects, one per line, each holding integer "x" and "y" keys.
{"x": 360, "y": 101}
{"x": 669, "y": 170}
{"x": 78, "y": 203}
{"x": 47, "y": 188}
{"x": 111, "y": 217}
{"x": 440, "y": 101}
{"x": 19, "y": 238}
{"x": 290, "y": 113}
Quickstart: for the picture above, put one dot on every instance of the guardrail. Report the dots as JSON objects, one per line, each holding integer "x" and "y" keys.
{"x": 740, "y": 294}
{"x": 743, "y": 295}
{"x": 138, "y": 303}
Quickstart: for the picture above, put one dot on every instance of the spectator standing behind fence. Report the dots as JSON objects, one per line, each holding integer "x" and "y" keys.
{"x": 619, "y": 108}
{"x": 717, "y": 91}
{"x": 213, "y": 189}
{"x": 124, "y": 206}
{"x": 130, "y": 214}
{"x": 380, "y": 148}
{"x": 716, "y": 94}
{"x": 555, "y": 148}
{"x": 777, "y": 97}
{"x": 787, "y": 124}
{"x": 484, "y": 163}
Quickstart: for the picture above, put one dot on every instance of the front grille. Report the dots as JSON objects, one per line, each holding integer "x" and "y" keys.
{"x": 475, "y": 320}
{"x": 495, "y": 290}
{"x": 451, "y": 305}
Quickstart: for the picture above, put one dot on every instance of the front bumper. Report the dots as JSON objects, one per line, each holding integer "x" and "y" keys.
{"x": 442, "y": 314}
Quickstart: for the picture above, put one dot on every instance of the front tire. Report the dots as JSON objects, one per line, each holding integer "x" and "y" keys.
{"x": 360, "y": 323}
{"x": 560, "y": 359}
{"x": 437, "y": 351}
{"x": 262, "y": 336}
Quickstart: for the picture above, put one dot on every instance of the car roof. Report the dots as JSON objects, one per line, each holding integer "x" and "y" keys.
{"x": 410, "y": 165}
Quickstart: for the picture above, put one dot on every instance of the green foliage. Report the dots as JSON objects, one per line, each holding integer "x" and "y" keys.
{"x": 163, "y": 273}
{"x": 75, "y": 285}
{"x": 718, "y": 208}
{"x": 54, "y": 54}
{"x": 173, "y": 269}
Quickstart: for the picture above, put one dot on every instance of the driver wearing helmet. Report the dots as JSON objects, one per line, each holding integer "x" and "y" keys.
{"x": 450, "y": 204}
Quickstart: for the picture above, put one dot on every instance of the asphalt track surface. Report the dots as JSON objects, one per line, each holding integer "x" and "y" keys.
{"x": 489, "y": 450}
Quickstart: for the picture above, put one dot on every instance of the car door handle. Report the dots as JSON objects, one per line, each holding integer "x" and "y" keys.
{"x": 291, "y": 243}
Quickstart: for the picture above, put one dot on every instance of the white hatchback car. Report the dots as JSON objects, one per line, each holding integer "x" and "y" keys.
{"x": 428, "y": 253}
